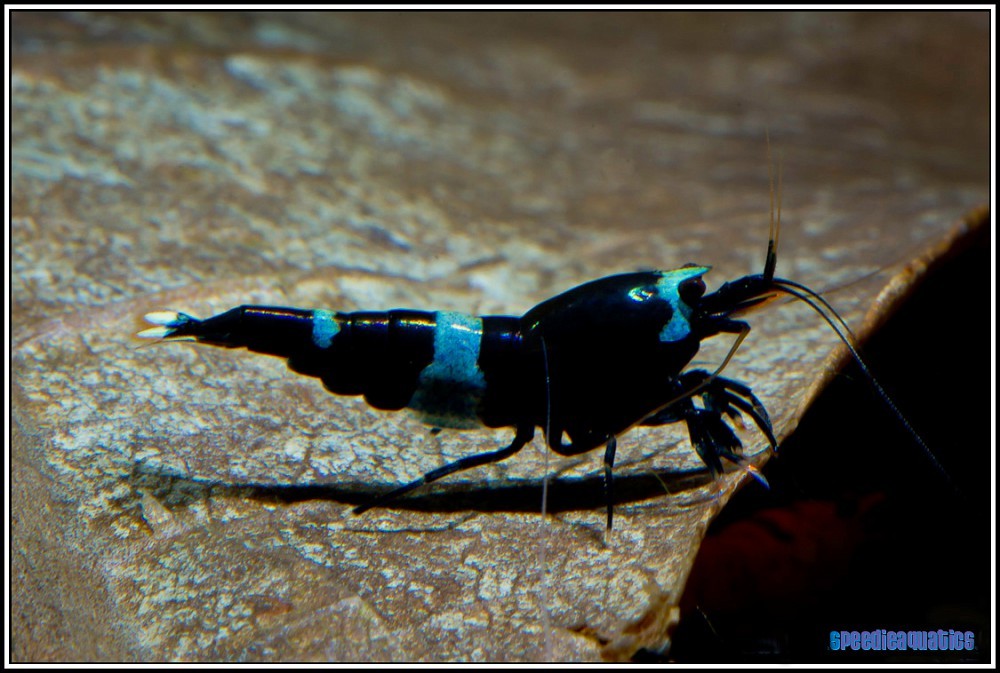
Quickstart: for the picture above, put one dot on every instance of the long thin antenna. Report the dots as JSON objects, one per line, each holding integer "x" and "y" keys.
{"x": 543, "y": 557}
{"x": 814, "y": 301}
{"x": 777, "y": 226}
{"x": 771, "y": 258}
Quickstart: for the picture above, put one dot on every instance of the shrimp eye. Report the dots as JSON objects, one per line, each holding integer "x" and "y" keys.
{"x": 691, "y": 290}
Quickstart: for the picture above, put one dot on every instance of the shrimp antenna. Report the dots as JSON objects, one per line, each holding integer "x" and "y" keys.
{"x": 816, "y": 302}
{"x": 774, "y": 229}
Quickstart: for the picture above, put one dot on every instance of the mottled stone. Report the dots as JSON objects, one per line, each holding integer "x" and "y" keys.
{"x": 475, "y": 163}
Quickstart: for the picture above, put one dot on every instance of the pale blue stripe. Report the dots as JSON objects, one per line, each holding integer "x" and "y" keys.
{"x": 679, "y": 326}
{"x": 325, "y": 327}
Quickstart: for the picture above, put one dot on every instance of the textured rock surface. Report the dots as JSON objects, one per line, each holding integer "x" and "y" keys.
{"x": 477, "y": 163}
